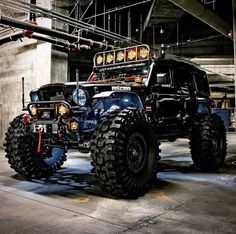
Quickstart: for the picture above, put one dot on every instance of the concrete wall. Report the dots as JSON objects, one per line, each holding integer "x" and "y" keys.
{"x": 222, "y": 65}
{"x": 59, "y": 67}
{"x": 37, "y": 63}
{"x": 28, "y": 59}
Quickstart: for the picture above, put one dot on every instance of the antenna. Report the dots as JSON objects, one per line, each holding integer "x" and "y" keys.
{"x": 77, "y": 84}
{"x": 23, "y": 92}
{"x": 163, "y": 46}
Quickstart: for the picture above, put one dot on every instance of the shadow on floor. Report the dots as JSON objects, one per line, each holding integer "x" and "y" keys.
{"x": 76, "y": 182}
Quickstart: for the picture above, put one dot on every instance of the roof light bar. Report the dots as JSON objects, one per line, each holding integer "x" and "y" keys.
{"x": 122, "y": 56}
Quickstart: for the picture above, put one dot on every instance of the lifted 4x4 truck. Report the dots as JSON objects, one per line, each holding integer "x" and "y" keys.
{"x": 129, "y": 104}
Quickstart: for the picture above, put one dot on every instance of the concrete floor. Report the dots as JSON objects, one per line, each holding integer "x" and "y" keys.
{"x": 182, "y": 201}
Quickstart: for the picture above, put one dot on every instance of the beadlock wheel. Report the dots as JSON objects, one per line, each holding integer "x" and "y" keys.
{"x": 208, "y": 142}
{"x": 124, "y": 152}
{"x": 136, "y": 152}
{"x": 21, "y": 152}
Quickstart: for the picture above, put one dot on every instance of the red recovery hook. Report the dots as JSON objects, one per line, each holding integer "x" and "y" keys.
{"x": 40, "y": 133}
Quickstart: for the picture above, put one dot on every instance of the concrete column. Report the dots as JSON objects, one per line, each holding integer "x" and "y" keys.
{"x": 234, "y": 37}
{"x": 59, "y": 67}
{"x": 59, "y": 60}
{"x": 33, "y": 60}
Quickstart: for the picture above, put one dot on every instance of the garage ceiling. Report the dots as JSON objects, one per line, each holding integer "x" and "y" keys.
{"x": 186, "y": 35}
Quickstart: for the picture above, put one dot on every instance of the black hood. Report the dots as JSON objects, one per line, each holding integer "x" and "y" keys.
{"x": 63, "y": 91}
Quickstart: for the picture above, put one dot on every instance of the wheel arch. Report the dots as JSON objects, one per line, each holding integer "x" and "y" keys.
{"x": 123, "y": 99}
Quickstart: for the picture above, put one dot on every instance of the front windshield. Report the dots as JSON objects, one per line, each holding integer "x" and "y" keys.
{"x": 134, "y": 74}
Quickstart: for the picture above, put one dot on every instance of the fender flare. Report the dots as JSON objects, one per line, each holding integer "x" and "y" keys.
{"x": 121, "y": 94}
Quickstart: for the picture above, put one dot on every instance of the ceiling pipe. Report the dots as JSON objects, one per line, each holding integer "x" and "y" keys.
{"x": 196, "y": 9}
{"x": 12, "y": 37}
{"x": 27, "y": 7}
{"x": 234, "y": 38}
{"x": 53, "y": 33}
{"x": 62, "y": 44}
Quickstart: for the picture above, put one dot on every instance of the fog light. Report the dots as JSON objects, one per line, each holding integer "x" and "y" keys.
{"x": 74, "y": 126}
{"x": 63, "y": 110}
{"x": 33, "y": 110}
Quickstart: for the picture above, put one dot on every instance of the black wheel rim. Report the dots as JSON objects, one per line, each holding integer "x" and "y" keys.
{"x": 217, "y": 143}
{"x": 136, "y": 153}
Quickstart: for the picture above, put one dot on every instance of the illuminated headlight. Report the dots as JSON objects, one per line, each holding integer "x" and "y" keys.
{"x": 79, "y": 97}
{"x": 63, "y": 109}
{"x": 73, "y": 126}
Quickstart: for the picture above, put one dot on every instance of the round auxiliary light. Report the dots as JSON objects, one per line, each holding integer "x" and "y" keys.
{"x": 143, "y": 53}
{"x": 33, "y": 110}
{"x": 63, "y": 109}
{"x": 73, "y": 125}
{"x": 110, "y": 58}
{"x": 99, "y": 60}
{"x": 120, "y": 56}
{"x": 131, "y": 55}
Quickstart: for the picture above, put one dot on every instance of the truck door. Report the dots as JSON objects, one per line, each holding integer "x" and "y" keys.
{"x": 185, "y": 90}
{"x": 167, "y": 103}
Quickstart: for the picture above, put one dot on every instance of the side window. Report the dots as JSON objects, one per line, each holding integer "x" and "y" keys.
{"x": 163, "y": 76}
{"x": 184, "y": 80}
{"x": 202, "y": 83}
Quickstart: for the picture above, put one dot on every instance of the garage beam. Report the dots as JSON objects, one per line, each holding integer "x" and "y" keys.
{"x": 196, "y": 9}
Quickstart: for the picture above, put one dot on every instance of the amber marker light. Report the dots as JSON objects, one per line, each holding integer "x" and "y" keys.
{"x": 109, "y": 58}
{"x": 143, "y": 53}
{"x": 74, "y": 126}
{"x": 120, "y": 57}
{"x": 138, "y": 79}
{"x": 99, "y": 60}
{"x": 33, "y": 110}
{"x": 131, "y": 55}
{"x": 63, "y": 109}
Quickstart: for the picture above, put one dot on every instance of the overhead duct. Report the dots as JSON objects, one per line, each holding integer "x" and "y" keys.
{"x": 34, "y": 9}
{"x": 63, "y": 45}
{"x": 196, "y": 9}
{"x": 53, "y": 33}
{"x": 12, "y": 37}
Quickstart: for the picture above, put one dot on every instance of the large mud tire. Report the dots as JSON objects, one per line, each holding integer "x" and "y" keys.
{"x": 124, "y": 153}
{"x": 21, "y": 152}
{"x": 208, "y": 142}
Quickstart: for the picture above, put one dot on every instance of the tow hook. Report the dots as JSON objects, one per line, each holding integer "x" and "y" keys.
{"x": 40, "y": 133}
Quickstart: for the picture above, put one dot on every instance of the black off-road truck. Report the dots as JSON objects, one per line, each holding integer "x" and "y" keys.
{"x": 129, "y": 104}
